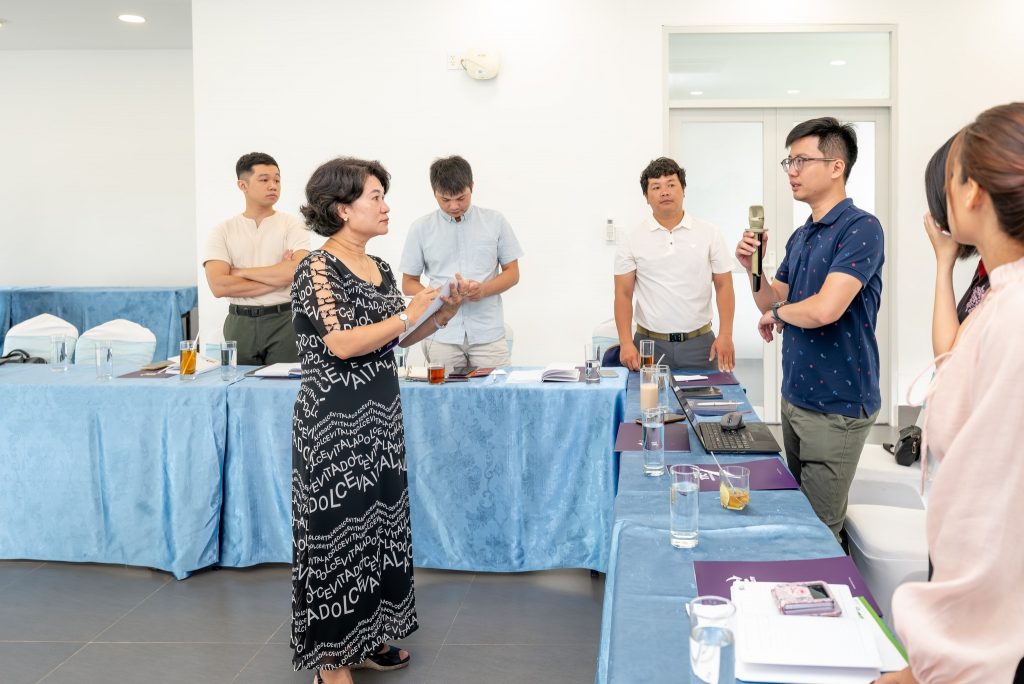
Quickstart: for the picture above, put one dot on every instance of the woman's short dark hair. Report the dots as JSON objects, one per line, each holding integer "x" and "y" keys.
{"x": 991, "y": 151}
{"x": 662, "y": 166}
{"x": 339, "y": 181}
{"x": 935, "y": 193}
{"x": 451, "y": 176}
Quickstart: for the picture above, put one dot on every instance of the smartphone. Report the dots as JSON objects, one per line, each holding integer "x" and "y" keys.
{"x": 669, "y": 418}
{"x": 806, "y": 598}
{"x": 700, "y": 392}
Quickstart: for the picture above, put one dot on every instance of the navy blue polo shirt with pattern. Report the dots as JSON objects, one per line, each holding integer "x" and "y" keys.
{"x": 834, "y": 368}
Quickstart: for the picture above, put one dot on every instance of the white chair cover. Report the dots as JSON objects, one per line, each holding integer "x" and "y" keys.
{"x": 33, "y": 335}
{"x": 606, "y": 335}
{"x": 130, "y": 343}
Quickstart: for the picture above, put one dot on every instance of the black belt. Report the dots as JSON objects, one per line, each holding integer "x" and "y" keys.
{"x": 254, "y": 311}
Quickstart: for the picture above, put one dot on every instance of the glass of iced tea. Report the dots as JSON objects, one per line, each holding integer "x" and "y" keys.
{"x": 646, "y": 353}
{"x": 734, "y": 488}
{"x": 188, "y": 360}
{"x": 435, "y": 373}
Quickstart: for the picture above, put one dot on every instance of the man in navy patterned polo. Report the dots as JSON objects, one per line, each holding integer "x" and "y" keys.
{"x": 824, "y": 301}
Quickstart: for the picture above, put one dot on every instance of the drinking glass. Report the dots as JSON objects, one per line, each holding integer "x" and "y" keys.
{"x": 652, "y": 423}
{"x": 664, "y": 378}
{"x": 400, "y": 355}
{"x": 435, "y": 373}
{"x": 591, "y": 363}
{"x": 646, "y": 353}
{"x": 734, "y": 487}
{"x": 58, "y": 352}
{"x": 104, "y": 361}
{"x": 648, "y": 387}
{"x": 712, "y": 644}
{"x": 683, "y": 509}
{"x": 228, "y": 360}
{"x": 187, "y": 360}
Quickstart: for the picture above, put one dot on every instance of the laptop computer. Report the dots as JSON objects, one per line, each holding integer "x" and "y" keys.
{"x": 752, "y": 438}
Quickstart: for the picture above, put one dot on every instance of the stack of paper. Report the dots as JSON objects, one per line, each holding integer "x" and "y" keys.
{"x": 280, "y": 370}
{"x": 203, "y": 364}
{"x": 772, "y": 647}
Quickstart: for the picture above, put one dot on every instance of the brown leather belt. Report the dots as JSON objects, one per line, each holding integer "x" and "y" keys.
{"x": 673, "y": 337}
{"x": 256, "y": 311}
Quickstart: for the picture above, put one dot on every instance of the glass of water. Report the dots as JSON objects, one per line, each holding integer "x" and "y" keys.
{"x": 228, "y": 360}
{"x": 664, "y": 376}
{"x": 58, "y": 352}
{"x": 652, "y": 421}
{"x": 683, "y": 508}
{"x": 591, "y": 363}
{"x": 712, "y": 641}
{"x": 104, "y": 361}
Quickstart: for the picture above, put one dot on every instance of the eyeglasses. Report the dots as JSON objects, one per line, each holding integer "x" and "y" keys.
{"x": 798, "y": 162}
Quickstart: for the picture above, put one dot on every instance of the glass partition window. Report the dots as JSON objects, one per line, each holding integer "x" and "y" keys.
{"x": 794, "y": 67}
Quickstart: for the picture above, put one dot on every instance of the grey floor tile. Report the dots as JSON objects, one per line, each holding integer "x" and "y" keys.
{"x": 273, "y": 665}
{"x": 14, "y": 570}
{"x": 72, "y": 602}
{"x": 439, "y": 595}
{"x": 515, "y": 664}
{"x": 225, "y": 606}
{"x": 154, "y": 664}
{"x": 25, "y": 663}
{"x": 554, "y": 607}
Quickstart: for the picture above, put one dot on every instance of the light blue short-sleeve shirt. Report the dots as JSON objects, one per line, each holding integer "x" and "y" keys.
{"x": 440, "y": 247}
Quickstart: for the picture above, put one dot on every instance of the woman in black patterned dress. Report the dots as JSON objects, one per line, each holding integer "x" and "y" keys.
{"x": 352, "y": 575}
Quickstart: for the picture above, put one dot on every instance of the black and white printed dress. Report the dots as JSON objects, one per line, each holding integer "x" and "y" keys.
{"x": 352, "y": 576}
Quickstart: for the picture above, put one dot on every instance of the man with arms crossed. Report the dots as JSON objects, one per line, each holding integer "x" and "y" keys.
{"x": 671, "y": 261}
{"x": 479, "y": 245}
{"x": 251, "y": 259}
{"x": 825, "y": 298}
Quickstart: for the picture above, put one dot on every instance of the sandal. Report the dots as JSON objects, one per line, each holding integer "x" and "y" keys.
{"x": 385, "y": 661}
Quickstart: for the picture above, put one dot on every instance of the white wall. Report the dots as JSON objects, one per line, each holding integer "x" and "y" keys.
{"x": 558, "y": 140}
{"x": 96, "y": 167}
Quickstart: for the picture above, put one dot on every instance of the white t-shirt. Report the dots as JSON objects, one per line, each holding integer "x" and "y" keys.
{"x": 242, "y": 245}
{"x": 673, "y": 272}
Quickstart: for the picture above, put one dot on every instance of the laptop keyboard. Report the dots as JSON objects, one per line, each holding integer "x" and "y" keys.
{"x": 717, "y": 439}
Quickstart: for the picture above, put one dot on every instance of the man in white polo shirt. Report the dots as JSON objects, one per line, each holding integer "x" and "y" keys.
{"x": 672, "y": 261}
{"x": 251, "y": 260}
{"x": 478, "y": 244}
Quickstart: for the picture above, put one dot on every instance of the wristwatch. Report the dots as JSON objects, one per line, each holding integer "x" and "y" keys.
{"x": 405, "y": 321}
{"x": 775, "y": 310}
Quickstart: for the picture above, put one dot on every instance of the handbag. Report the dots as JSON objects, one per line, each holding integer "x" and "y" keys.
{"x": 20, "y": 356}
{"x": 907, "y": 448}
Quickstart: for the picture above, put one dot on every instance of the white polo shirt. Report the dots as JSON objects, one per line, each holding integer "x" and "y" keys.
{"x": 673, "y": 272}
{"x": 242, "y": 245}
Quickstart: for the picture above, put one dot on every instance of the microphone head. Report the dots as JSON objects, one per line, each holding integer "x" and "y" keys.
{"x": 755, "y": 217}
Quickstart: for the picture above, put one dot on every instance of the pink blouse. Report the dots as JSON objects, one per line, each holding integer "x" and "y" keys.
{"x": 967, "y": 623}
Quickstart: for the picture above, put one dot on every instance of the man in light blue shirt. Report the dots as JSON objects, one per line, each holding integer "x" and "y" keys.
{"x": 479, "y": 245}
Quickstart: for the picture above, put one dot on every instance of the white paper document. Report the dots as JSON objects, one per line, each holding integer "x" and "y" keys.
{"x": 280, "y": 370}
{"x": 803, "y": 649}
{"x": 560, "y": 372}
{"x": 689, "y": 378}
{"x": 523, "y": 377}
{"x": 203, "y": 364}
{"x": 446, "y": 291}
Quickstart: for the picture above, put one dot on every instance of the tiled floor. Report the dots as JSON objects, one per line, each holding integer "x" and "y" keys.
{"x": 96, "y": 624}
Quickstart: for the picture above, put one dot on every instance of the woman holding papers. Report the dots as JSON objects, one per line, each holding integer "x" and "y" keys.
{"x": 352, "y": 577}
{"x": 966, "y": 624}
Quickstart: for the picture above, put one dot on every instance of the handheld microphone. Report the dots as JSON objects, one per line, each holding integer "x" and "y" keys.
{"x": 755, "y": 218}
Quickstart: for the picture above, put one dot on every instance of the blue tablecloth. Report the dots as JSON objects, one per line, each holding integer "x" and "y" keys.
{"x": 123, "y": 471}
{"x": 501, "y": 477}
{"x": 644, "y": 626}
{"x": 158, "y": 308}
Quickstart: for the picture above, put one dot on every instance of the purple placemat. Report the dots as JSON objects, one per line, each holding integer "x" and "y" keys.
{"x": 148, "y": 374}
{"x": 713, "y": 378}
{"x": 715, "y": 577}
{"x": 765, "y": 473}
{"x": 630, "y": 435}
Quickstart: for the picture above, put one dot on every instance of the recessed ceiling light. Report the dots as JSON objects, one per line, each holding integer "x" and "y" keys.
{"x": 792, "y": 92}
{"x": 837, "y": 62}
{"x": 132, "y": 19}
{"x": 696, "y": 92}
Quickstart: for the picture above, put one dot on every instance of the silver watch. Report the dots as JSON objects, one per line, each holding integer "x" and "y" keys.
{"x": 405, "y": 320}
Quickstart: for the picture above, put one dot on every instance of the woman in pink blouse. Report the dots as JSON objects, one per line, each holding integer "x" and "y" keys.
{"x": 966, "y": 624}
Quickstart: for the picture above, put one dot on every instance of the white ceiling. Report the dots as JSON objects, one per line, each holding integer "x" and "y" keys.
{"x": 93, "y": 25}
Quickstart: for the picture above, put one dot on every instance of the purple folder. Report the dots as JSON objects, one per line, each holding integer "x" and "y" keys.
{"x": 629, "y": 438}
{"x": 765, "y": 473}
{"x": 715, "y": 577}
{"x": 714, "y": 378}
